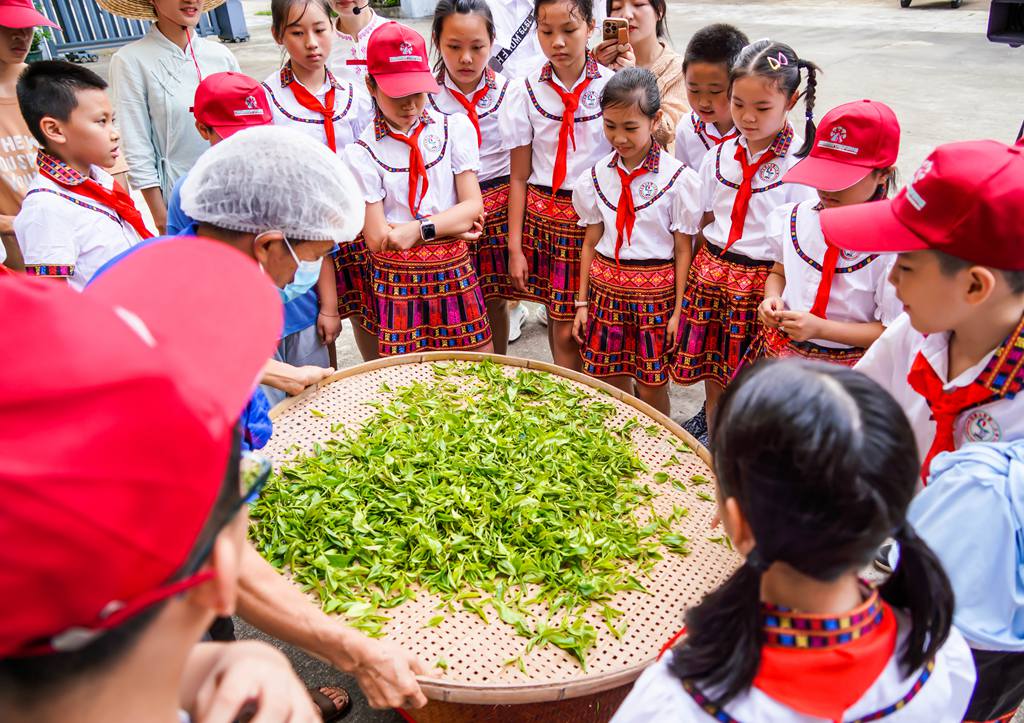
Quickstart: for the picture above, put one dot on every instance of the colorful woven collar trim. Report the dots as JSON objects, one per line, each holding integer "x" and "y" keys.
{"x": 785, "y": 628}
{"x": 58, "y": 170}
{"x": 1004, "y": 375}
{"x": 591, "y": 70}
{"x": 381, "y": 127}
{"x": 652, "y": 161}
{"x": 780, "y": 144}
{"x": 288, "y": 77}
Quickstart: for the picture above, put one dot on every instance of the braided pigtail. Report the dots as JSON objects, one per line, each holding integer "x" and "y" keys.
{"x": 809, "y": 98}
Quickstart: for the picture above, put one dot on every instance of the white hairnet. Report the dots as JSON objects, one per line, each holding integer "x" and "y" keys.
{"x": 275, "y": 179}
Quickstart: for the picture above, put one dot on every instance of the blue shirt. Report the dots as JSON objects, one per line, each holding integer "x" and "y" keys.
{"x": 177, "y": 220}
{"x": 972, "y": 515}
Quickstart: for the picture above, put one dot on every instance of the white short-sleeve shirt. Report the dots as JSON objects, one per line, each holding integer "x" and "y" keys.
{"x": 694, "y": 138}
{"x": 381, "y": 163}
{"x": 666, "y": 199}
{"x": 942, "y": 697}
{"x": 532, "y": 115}
{"x": 860, "y": 291}
{"x": 494, "y": 159}
{"x": 346, "y": 47}
{"x": 64, "y": 234}
{"x": 353, "y": 110}
{"x": 888, "y": 361}
{"x": 721, "y": 174}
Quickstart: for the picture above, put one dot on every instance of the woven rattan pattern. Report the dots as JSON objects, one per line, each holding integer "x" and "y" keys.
{"x": 476, "y": 652}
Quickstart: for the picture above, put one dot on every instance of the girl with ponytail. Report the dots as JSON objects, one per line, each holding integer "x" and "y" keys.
{"x": 742, "y": 179}
{"x": 816, "y": 466}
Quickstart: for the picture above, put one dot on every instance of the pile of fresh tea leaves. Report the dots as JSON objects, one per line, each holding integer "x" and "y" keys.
{"x": 508, "y": 496}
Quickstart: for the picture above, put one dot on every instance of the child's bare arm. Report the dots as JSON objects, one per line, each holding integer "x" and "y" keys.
{"x": 521, "y": 167}
{"x": 375, "y": 226}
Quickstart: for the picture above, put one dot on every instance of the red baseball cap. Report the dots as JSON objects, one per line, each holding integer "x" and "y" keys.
{"x": 118, "y": 411}
{"x": 966, "y": 200}
{"x": 230, "y": 102}
{"x": 23, "y": 14}
{"x": 851, "y": 141}
{"x": 396, "y": 58}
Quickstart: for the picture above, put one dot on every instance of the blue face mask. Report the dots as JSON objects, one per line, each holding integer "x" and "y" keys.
{"x": 307, "y": 273}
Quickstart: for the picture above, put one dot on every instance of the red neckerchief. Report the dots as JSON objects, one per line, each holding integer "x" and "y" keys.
{"x": 567, "y": 131}
{"x": 701, "y": 128}
{"x": 310, "y": 102}
{"x": 417, "y": 168}
{"x": 821, "y": 665}
{"x": 945, "y": 406}
{"x": 828, "y": 273}
{"x": 1002, "y": 378}
{"x": 837, "y": 666}
{"x": 116, "y": 198}
{"x": 625, "y": 212}
{"x": 470, "y": 103}
{"x": 745, "y": 192}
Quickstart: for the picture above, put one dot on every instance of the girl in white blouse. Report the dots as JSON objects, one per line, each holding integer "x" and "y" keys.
{"x": 463, "y": 33}
{"x": 641, "y": 208}
{"x": 551, "y": 121}
{"x": 821, "y": 302}
{"x": 419, "y": 181}
{"x": 816, "y": 465}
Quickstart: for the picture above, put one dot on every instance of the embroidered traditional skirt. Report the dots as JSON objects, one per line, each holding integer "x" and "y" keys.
{"x": 490, "y": 251}
{"x": 630, "y": 305}
{"x": 720, "y": 321}
{"x": 428, "y": 299}
{"x": 773, "y": 343}
{"x": 552, "y": 243}
{"x": 352, "y": 272}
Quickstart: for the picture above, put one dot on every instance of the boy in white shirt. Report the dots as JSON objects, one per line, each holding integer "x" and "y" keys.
{"x": 75, "y": 217}
{"x": 955, "y": 359}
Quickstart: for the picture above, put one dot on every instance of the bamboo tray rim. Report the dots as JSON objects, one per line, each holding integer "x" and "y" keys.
{"x": 504, "y": 692}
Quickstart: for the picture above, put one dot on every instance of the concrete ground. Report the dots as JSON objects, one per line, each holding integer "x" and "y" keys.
{"x": 932, "y": 64}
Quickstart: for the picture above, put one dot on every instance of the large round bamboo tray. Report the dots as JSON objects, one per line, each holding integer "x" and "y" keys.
{"x": 475, "y": 651}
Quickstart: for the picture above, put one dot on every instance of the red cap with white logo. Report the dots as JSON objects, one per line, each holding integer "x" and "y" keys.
{"x": 966, "y": 200}
{"x": 852, "y": 140}
{"x": 230, "y": 102}
{"x": 396, "y": 59}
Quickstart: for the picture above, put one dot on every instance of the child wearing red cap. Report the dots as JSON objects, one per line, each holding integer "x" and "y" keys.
{"x": 419, "y": 182}
{"x": 820, "y": 302}
{"x": 75, "y": 216}
{"x": 954, "y": 359}
{"x": 642, "y": 208}
{"x": 551, "y": 121}
{"x": 304, "y": 94}
{"x": 742, "y": 183}
{"x": 117, "y": 549}
{"x": 463, "y": 32}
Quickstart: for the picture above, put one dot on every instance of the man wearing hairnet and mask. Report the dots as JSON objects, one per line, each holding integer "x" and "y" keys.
{"x": 285, "y": 201}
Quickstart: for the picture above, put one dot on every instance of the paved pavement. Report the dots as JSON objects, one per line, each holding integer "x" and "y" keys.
{"x": 932, "y": 64}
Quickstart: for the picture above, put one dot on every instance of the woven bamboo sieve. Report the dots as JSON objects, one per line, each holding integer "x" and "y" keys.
{"x": 475, "y": 651}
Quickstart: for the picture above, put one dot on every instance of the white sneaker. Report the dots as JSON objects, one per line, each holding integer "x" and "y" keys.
{"x": 542, "y": 315}
{"x": 517, "y": 316}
